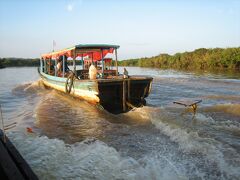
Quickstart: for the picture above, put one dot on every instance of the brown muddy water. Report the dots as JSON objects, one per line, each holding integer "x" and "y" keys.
{"x": 75, "y": 140}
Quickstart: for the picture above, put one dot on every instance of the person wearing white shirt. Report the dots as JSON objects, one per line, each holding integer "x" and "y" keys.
{"x": 92, "y": 72}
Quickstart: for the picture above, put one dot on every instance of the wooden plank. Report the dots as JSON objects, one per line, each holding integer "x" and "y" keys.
{"x": 17, "y": 160}
{"x": 2, "y": 174}
{"x": 129, "y": 90}
{"x": 124, "y": 95}
{"x": 188, "y": 102}
{"x": 22, "y": 165}
{"x": 7, "y": 165}
{"x": 116, "y": 61}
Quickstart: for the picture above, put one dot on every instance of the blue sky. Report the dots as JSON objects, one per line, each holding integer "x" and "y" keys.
{"x": 141, "y": 28}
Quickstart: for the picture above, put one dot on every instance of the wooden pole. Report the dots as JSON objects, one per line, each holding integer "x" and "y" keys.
{"x": 63, "y": 66}
{"x": 92, "y": 57}
{"x": 74, "y": 61}
{"x": 45, "y": 69}
{"x": 55, "y": 66}
{"x": 116, "y": 63}
{"x": 82, "y": 62}
{"x": 102, "y": 63}
{"x": 49, "y": 66}
{"x": 3, "y": 130}
{"x": 124, "y": 96}
{"x": 129, "y": 86}
{"x": 40, "y": 64}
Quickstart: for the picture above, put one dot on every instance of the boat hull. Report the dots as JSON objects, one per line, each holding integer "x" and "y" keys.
{"x": 84, "y": 89}
{"x": 122, "y": 96}
{"x": 116, "y": 95}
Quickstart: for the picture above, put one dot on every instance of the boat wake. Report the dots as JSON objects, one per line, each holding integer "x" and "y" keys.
{"x": 35, "y": 87}
{"x": 80, "y": 140}
{"x": 91, "y": 159}
{"x": 195, "y": 137}
{"x": 230, "y": 108}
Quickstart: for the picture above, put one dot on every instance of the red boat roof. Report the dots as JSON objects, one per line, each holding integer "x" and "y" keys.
{"x": 95, "y": 51}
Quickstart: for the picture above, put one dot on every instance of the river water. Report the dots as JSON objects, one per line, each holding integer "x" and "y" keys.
{"x": 72, "y": 139}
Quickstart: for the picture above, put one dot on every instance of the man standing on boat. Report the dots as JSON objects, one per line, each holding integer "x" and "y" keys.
{"x": 92, "y": 72}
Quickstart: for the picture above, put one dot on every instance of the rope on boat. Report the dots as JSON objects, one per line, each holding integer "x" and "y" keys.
{"x": 130, "y": 105}
{"x": 99, "y": 106}
{"x": 129, "y": 98}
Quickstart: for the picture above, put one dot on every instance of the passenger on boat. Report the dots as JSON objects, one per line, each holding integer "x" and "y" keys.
{"x": 92, "y": 72}
{"x": 59, "y": 67}
{"x": 66, "y": 65}
{"x": 50, "y": 67}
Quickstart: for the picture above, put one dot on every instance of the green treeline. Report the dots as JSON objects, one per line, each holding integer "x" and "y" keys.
{"x": 15, "y": 62}
{"x": 199, "y": 59}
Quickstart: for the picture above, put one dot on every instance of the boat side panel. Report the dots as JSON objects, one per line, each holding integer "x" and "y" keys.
{"x": 81, "y": 89}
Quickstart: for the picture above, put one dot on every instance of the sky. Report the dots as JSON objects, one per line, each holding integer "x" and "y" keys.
{"x": 142, "y": 28}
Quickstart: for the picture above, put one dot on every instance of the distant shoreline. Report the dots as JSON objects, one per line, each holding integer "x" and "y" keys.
{"x": 217, "y": 59}
{"x": 18, "y": 62}
{"x": 199, "y": 59}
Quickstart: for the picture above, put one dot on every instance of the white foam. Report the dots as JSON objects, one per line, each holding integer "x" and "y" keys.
{"x": 204, "y": 119}
{"x": 93, "y": 159}
{"x": 188, "y": 141}
{"x": 191, "y": 142}
{"x": 53, "y": 159}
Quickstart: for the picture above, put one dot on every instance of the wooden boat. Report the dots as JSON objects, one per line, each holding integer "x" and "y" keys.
{"x": 113, "y": 91}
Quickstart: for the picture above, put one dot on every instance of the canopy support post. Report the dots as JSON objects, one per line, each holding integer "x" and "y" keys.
{"x": 102, "y": 63}
{"x": 49, "y": 66}
{"x": 116, "y": 63}
{"x": 55, "y": 66}
{"x": 92, "y": 57}
{"x": 41, "y": 65}
{"x": 63, "y": 66}
{"x": 74, "y": 62}
{"x": 45, "y": 68}
{"x": 82, "y": 62}
{"x": 124, "y": 95}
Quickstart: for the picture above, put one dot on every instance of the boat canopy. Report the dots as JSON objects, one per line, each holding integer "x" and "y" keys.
{"x": 95, "y": 51}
